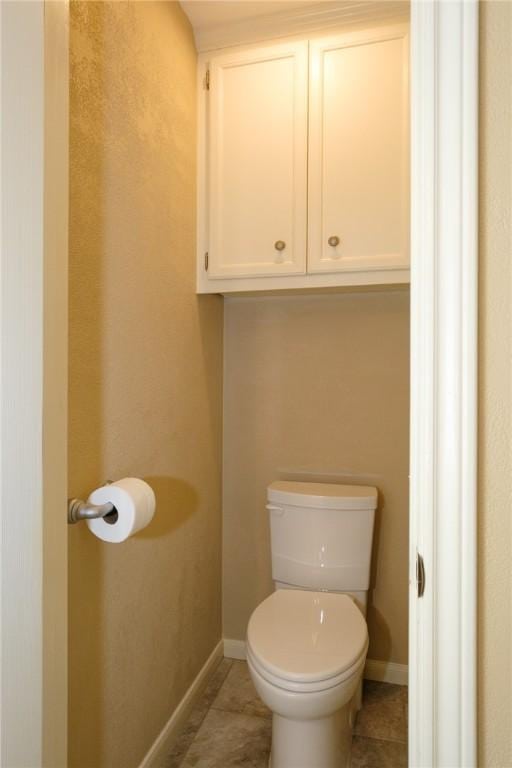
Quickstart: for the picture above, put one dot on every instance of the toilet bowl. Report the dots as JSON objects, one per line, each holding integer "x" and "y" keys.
{"x": 306, "y": 653}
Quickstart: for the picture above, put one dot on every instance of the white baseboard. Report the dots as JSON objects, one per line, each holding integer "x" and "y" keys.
{"x": 382, "y": 671}
{"x": 234, "y": 649}
{"x": 386, "y": 672}
{"x": 169, "y": 732}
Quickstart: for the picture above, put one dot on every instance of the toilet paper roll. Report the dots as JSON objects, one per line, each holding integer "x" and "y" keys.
{"x": 134, "y": 502}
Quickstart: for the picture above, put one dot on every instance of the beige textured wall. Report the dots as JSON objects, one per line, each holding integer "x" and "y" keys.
{"x": 495, "y": 486}
{"x": 317, "y": 388}
{"x": 145, "y": 380}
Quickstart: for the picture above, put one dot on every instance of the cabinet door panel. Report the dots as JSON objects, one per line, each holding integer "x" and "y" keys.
{"x": 257, "y": 157}
{"x": 359, "y": 152}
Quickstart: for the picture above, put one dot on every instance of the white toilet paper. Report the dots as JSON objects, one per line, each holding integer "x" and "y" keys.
{"x": 134, "y": 501}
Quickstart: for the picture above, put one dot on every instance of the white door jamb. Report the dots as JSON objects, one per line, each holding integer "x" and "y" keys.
{"x": 442, "y": 623}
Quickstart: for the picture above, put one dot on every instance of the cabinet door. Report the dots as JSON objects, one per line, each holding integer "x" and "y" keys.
{"x": 359, "y": 152}
{"x": 257, "y": 159}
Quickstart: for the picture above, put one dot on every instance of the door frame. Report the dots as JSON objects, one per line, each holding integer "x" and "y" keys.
{"x": 442, "y": 663}
{"x": 444, "y": 273}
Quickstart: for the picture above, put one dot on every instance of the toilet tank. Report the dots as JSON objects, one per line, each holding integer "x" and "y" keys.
{"x": 321, "y": 535}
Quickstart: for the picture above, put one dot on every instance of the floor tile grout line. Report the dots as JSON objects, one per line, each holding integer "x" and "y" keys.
{"x": 378, "y": 738}
{"x": 216, "y": 694}
{"x": 228, "y": 712}
{"x": 205, "y": 713}
{"x": 397, "y": 739}
{"x": 240, "y": 712}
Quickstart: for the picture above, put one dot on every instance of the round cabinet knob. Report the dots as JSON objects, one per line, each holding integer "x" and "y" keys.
{"x": 279, "y": 245}
{"x": 334, "y": 241}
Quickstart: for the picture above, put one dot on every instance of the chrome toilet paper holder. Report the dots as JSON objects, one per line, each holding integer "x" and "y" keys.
{"x": 82, "y": 510}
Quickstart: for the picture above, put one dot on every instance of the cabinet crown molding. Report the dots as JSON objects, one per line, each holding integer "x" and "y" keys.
{"x": 303, "y": 20}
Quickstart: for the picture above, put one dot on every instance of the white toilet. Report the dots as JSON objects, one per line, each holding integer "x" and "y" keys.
{"x": 307, "y": 642}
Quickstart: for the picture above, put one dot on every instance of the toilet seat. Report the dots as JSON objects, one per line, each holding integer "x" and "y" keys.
{"x": 307, "y": 641}
{"x": 300, "y": 687}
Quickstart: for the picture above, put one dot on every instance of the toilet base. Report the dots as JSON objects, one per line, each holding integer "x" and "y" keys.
{"x": 322, "y": 743}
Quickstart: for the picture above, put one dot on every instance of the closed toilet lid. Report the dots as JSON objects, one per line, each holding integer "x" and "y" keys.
{"x": 307, "y": 636}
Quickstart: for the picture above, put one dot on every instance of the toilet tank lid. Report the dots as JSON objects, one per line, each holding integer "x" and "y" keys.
{"x": 322, "y": 495}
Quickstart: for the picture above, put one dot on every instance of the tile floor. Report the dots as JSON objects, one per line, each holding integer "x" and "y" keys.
{"x": 231, "y": 727}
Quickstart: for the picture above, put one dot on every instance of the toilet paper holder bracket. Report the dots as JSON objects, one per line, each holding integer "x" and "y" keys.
{"x": 82, "y": 510}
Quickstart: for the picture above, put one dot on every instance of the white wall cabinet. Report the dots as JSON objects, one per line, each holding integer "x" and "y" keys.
{"x": 303, "y": 164}
{"x": 358, "y": 153}
{"x": 257, "y": 157}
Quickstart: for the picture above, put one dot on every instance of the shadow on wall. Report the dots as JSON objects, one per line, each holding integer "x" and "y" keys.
{"x": 380, "y": 632}
{"x": 176, "y": 501}
{"x": 210, "y": 315}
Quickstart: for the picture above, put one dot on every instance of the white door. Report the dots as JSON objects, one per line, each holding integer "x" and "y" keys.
{"x": 358, "y": 151}
{"x": 257, "y": 158}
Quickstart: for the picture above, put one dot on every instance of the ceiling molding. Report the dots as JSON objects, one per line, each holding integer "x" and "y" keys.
{"x": 310, "y": 17}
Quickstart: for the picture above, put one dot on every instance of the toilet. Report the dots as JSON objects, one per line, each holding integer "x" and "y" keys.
{"x": 307, "y": 642}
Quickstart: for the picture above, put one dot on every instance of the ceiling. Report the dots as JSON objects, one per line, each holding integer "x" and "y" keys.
{"x": 221, "y": 23}
{"x": 210, "y": 13}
